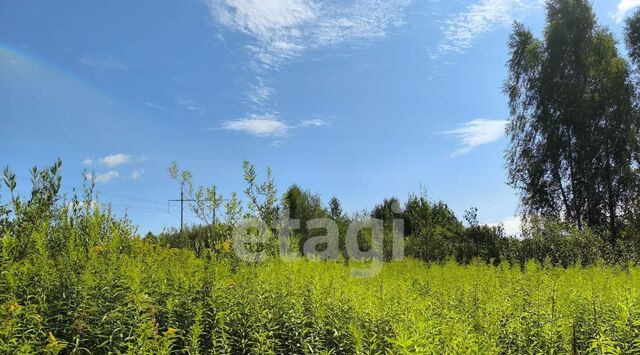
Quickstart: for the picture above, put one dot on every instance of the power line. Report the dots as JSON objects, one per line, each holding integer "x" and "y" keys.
{"x": 182, "y": 200}
{"x": 148, "y": 209}
{"x": 74, "y": 189}
{"x": 130, "y": 197}
{"x": 135, "y": 207}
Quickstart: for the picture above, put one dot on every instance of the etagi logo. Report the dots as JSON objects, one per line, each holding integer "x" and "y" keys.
{"x": 252, "y": 235}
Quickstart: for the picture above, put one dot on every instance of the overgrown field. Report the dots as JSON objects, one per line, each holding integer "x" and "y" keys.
{"x": 135, "y": 296}
{"x": 76, "y": 279}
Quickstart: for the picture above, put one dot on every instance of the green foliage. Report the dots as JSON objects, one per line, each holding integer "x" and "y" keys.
{"x": 152, "y": 299}
{"x": 262, "y": 197}
{"x": 335, "y": 209}
{"x": 199, "y": 239}
{"x": 433, "y": 233}
{"x": 633, "y": 38}
{"x": 74, "y": 279}
{"x": 431, "y": 229}
{"x": 573, "y": 129}
{"x": 480, "y": 241}
{"x": 303, "y": 206}
{"x": 204, "y": 201}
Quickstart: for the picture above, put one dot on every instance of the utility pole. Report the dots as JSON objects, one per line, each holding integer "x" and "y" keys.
{"x": 181, "y": 206}
{"x": 182, "y": 200}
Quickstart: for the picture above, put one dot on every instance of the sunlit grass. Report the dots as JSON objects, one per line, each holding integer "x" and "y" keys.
{"x": 151, "y": 299}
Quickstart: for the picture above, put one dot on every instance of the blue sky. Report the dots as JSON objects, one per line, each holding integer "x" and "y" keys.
{"x": 361, "y": 99}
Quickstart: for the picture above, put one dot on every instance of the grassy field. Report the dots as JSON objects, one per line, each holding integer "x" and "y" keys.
{"x": 137, "y": 297}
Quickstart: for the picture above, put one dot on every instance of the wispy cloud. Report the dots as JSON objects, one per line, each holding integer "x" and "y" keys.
{"x": 260, "y": 93}
{"x": 624, "y": 6}
{"x": 113, "y": 160}
{"x": 476, "y": 133}
{"x": 137, "y": 174}
{"x": 188, "y": 103}
{"x": 270, "y": 125}
{"x": 280, "y": 31}
{"x": 462, "y": 30}
{"x": 105, "y": 177}
{"x": 284, "y": 29}
{"x": 155, "y": 106}
{"x": 260, "y": 126}
{"x": 104, "y": 63}
{"x": 314, "y": 122}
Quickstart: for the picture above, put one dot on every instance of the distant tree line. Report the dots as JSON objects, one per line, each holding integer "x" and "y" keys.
{"x": 433, "y": 232}
{"x": 46, "y": 221}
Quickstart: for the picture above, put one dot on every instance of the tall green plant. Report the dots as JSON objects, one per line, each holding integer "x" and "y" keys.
{"x": 574, "y": 137}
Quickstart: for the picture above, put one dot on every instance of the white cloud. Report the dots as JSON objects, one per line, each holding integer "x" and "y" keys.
{"x": 484, "y": 16}
{"x": 261, "y": 126}
{"x": 260, "y": 93}
{"x": 103, "y": 63}
{"x": 269, "y": 125}
{"x": 512, "y": 225}
{"x": 477, "y": 132}
{"x": 276, "y": 25}
{"x": 188, "y": 103}
{"x": 82, "y": 204}
{"x": 109, "y": 175}
{"x": 283, "y": 29}
{"x": 155, "y": 106}
{"x": 315, "y": 122}
{"x": 137, "y": 174}
{"x": 114, "y": 160}
{"x": 624, "y": 6}
{"x": 362, "y": 20}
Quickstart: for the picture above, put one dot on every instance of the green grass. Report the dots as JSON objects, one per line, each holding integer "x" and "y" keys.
{"x": 137, "y": 297}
